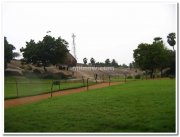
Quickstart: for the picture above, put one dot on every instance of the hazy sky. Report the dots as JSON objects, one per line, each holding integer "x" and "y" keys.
{"x": 103, "y": 29}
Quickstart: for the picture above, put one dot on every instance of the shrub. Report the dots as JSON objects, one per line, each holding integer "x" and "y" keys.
{"x": 137, "y": 76}
{"x": 36, "y": 71}
{"x": 129, "y": 77}
{"x": 171, "y": 76}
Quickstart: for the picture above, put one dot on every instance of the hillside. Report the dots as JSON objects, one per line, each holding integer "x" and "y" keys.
{"x": 18, "y": 69}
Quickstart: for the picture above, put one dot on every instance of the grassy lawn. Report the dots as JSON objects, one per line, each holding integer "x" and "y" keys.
{"x": 139, "y": 106}
{"x": 27, "y": 87}
{"x": 121, "y": 79}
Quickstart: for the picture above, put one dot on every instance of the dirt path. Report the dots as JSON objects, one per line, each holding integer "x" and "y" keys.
{"x": 26, "y": 100}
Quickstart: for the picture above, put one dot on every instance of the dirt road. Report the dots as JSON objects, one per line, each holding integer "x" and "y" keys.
{"x": 30, "y": 99}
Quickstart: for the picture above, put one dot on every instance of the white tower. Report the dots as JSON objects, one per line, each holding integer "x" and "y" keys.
{"x": 74, "y": 47}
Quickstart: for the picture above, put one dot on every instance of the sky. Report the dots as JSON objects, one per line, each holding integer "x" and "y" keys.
{"x": 103, "y": 29}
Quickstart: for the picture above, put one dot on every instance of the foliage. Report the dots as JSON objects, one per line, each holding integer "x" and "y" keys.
{"x": 171, "y": 39}
{"x": 8, "y": 52}
{"x": 114, "y": 63}
{"x": 85, "y": 61}
{"x": 142, "y": 106}
{"x": 92, "y": 60}
{"x": 150, "y": 57}
{"x": 129, "y": 77}
{"x": 137, "y": 76}
{"x": 107, "y": 62}
{"x": 45, "y": 52}
{"x": 124, "y": 66}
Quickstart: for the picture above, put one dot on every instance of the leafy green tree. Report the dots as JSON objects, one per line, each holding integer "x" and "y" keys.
{"x": 158, "y": 39}
{"x": 171, "y": 39}
{"x": 8, "y": 52}
{"x": 124, "y": 66}
{"x": 85, "y": 61}
{"x": 171, "y": 62}
{"x": 107, "y": 62}
{"x": 45, "y": 52}
{"x": 130, "y": 65}
{"x": 140, "y": 56}
{"x": 114, "y": 63}
{"x": 100, "y": 64}
{"x": 150, "y": 57}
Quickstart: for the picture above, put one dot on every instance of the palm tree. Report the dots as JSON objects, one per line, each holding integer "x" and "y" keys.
{"x": 171, "y": 39}
{"x": 92, "y": 60}
{"x": 85, "y": 61}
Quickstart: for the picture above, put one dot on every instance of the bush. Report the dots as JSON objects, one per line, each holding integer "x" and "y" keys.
{"x": 171, "y": 76}
{"x": 36, "y": 71}
{"x": 129, "y": 77}
{"x": 12, "y": 73}
{"x": 137, "y": 76}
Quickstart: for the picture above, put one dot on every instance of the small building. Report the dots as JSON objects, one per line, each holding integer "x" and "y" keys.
{"x": 70, "y": 61}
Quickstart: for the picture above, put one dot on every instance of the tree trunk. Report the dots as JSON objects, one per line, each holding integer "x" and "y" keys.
{"x": 161, "y": 72}
{"x": 45, "y": 68}
{"x": 152, "y": 71}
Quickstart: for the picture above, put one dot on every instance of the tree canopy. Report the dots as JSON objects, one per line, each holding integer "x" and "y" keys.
{"x": 8, "y": 52}
{"x": 114, "y": 63}
{"x": 45, "y": 52}
{"x": 171, "y": 39}
{"x": 150, "y": 57}
{"x": 85, "y": 61}
{"x": 92, "y": 60}
{"x": 107, "y": 62}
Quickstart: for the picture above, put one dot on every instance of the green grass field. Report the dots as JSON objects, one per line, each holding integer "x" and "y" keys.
{"x": 139, "y": 106}
{"x": 28, "y": 87}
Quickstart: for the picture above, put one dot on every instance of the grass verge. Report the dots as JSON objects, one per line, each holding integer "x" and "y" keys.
{"x": 140, "y": 106}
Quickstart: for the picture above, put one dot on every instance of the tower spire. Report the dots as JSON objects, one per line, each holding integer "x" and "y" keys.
{"x": 74, "y": 47}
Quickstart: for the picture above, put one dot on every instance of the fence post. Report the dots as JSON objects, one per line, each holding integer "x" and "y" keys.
{"x": 87, "y": 84}
{"x": 51, "y": 88}
{"x": 109, "y": 80}
{"x": 95, "y": 77}
{"x": 59, "y": 84}
{"x": 125, "y": 78}
{"x": 17, "y": 88}
{"x": 103, "y": 77}
{"x": 83, "y": 81}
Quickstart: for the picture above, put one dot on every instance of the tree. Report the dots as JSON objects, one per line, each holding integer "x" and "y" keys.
{"x": 92, "y": 60}
{"x": 158, "y": 39}
{"x": 107, "y": 62}
{"x": 130, "y": 65}
{"x": 114, "y": 63}
{"x": 150, "y": 57}
{"x": 85, "y": 61}
{"x": 171, "y": 39}
{"x": 171, "y": 62}
{"x": 8, "y": 52}
{"x": 161, "y": 57}
{"x": 45, "y": 52}
{"x": 124, "y": 66}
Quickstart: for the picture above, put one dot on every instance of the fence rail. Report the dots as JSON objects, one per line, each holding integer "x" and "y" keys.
{"x": 19, "y": 88}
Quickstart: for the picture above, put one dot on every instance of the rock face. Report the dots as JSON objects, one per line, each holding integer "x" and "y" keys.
{"x": 17, "y": 69}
